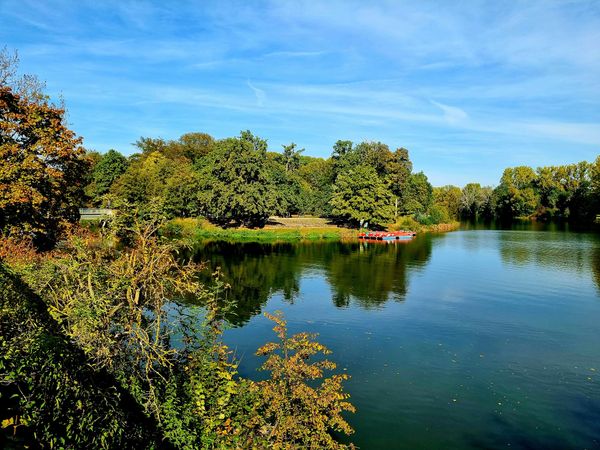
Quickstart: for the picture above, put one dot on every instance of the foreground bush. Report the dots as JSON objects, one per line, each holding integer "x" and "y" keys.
{"x": 104, "y": 339}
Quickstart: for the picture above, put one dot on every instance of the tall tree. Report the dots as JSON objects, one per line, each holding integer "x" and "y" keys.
{"x": 196, "y": 145}
{"x": 181, "y": 192}
{"x": 235, "y": 184}
{"x": 376, "y": 155}
{"x": 448, "y": 197}
{"x": 475, "y": 201}
{"x": 42, "y": 168}
{"x": 360, "y": 195}
{"x": 144, "y": 181}
{"x": 318, "y": 173}
{"x": 516, "y": 196}
{"x": 418, "y": 194}
{"x": 110, "y": 167}
{"x": 291, "y": 157}
{"x": 399, "y": 170}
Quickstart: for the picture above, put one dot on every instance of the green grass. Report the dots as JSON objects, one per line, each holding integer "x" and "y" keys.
{"x": 272, "y": 235}
{"x": 200, "y": 229}
{"x": 287, "y": 230}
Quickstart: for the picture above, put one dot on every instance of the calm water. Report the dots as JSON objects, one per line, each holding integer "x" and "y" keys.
{"x": 471, "y": 339}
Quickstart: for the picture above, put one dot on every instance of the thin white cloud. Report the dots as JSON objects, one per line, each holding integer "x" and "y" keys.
{"x": 259, "y": 93}
{"x": 452, "y": 114}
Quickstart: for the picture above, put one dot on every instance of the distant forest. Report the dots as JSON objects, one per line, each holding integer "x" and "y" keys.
{"x": 238, "y": 181}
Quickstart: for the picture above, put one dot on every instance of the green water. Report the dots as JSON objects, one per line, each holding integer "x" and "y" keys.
{"x": 472, "y": 339}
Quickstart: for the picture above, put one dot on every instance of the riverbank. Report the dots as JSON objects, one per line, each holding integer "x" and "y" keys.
{"x": 289, "y": 229}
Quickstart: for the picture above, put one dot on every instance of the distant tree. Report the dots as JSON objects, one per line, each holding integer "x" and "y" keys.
{"x": 258, "y": 144}
{"x": 376, "y": 155}
{"x": 516, "y": 196}
{"x": 235, "y": 184}
{"x": 577, "y": 184}
{"x": 144, "y": 181}
{"x": 196, "y": 145}
{"x": 42, "y": 168}
{"x": 418, "y": 195}
{"x": 190, "y": 146}
{"x": 450, "y": 198}
{"x": 475, "y": 201}
{"x": 181, "y": 192}
{"x": 550, "y": 191}
{"x": 318, "y": 174}
{"x": 343, "y": 157}
{"x": 288, "y": 189}
{"x": 341, "y": 149}
{"x": 360, "y": 195}
{"x": 399, "y": 170}
{"x": 151, "y": 145}
{"x": 291, "y": 157}
{"x": 595, "y": 176}
{"x": 110, "y": 167}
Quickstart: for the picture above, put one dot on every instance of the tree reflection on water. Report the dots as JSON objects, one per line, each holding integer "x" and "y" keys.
{"x": 367, "y": 273}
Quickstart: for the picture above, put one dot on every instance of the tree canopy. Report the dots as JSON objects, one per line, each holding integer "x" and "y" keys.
{"x": 41, "y": 168}
{"x": 234, "y": 183}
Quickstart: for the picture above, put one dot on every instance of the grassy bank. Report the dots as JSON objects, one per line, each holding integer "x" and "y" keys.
{"x": 301, "y": 229}
{"x": 409, "y": 223}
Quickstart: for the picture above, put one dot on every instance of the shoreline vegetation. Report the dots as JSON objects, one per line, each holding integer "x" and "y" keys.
{"x": 99, "y": 349}
{"x": 288, "y": 229}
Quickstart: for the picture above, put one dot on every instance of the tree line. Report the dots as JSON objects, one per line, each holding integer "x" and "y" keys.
{"x": 46, "y": 175}
{"x": 569, "y": 192}
{"x": 237, "y": 181}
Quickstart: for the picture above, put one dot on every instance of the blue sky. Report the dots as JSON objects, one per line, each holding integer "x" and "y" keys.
{"x": 468, "y": 87}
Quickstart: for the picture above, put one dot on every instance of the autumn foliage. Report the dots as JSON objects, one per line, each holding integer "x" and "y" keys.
{"x": 41, "y": 169}
{"x": 302, "y": 406}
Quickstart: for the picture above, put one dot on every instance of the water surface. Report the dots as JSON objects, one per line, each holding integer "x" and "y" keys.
{"x": 471, "y": 339}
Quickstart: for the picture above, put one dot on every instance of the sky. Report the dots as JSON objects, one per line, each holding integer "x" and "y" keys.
{"x": 469, "y": 87}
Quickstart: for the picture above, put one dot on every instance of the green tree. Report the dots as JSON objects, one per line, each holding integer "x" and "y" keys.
{"x": 516, "y": 196}
{"x": 181, "y": 192}
{"x": 110, "y": 167}
{"x": 344, "y": 157}
{"x": 318, "y": 174}
{"x": 144, "y": 181}
{"x": 595, "y": 188}
{"x": 550, "y": 190}
{"x": 291, "y": 157}
{"x": 286, "y": 187}
{"x": 475, "y": 201}
{"x": 190, "y": 146}
{"x": 418, "y": 195}
{"x": 151, "y": 145}
{"x": 235, "y": 188}
{"x": 449, "y": 197}
{"x": 359, "y": 195}
{"x": 399, "y": 170}
{"x": 196, "y": 145}
{"x": 376, "y": 155}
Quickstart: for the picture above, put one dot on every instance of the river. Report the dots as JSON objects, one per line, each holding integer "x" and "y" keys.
{"x": 477, "y": 338}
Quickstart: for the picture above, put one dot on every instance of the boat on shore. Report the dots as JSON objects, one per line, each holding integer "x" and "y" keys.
{"x": 401, "y": 235}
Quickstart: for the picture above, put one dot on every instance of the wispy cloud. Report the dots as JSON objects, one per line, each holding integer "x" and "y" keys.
{"x": 452, "y": 114}
{"x": 468, "y": 88}
{"x": 259, "y": 93}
